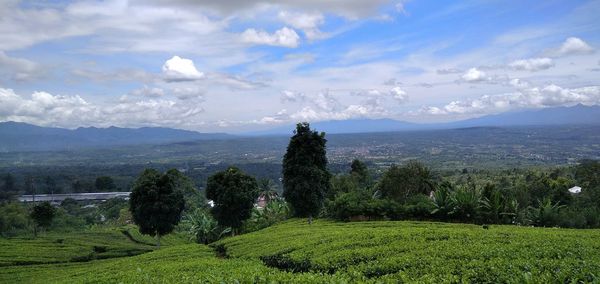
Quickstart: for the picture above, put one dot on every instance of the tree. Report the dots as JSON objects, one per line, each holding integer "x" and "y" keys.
{"x": 305, "y": 174}
{"x": 233, "y": 193}
{"x": 192, "y": 196}
{"x": 105, "y": 183}
{"x": 8, "y": 189}
{"x": 267, "y": 189}
{"x": 42, "y": 215}
{"x": 155, "y": 204}
{"x": 400, "y": 183}
{"x": 360, "y": 172}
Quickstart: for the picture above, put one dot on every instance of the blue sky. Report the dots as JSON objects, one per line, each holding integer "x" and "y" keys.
{"x": 244, "y": 65}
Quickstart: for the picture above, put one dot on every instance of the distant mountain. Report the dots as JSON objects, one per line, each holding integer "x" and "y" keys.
{"x": 348, "y": 126}
{"x": 575, "y": 115}
{"x": 17, "y": 136}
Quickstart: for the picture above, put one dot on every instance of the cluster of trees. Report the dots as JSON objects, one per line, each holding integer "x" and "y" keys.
{"x": 524, "y": 198}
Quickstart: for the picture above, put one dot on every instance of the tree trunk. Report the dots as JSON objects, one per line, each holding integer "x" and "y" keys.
{"x": 34, "y": 231}
{"x": 157, "y": 240}
{"x": 310, "y": 219}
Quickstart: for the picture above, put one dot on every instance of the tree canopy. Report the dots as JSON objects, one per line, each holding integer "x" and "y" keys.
{"x": 399, "y": 183}
{"x": 42, "y": 215}
{"x": 233, "y": 193}
{"x": 305, "y": 174}
{"x": 155, "y": 204}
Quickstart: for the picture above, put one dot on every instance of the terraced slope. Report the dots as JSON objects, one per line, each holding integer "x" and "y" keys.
{"x": 80, "y": 246}
{"x": 350, "y": 252}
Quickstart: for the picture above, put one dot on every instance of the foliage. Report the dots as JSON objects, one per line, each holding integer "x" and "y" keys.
{"x": 14, "y": 219}
{"x": 8, "y": 188}
{"x": 274, "y": 212}
{"x": 202, "y": 227}
{"x": 155, "y": 204}
{"x": 233, "y": 193}
{"x": 305, "y": 174}
{"x": 399, "y": 183}
{"x": 360, "y": 172}
{"x": 105, "y": 183}
{"x": 546, "y": 214}
{"x": 42, "y": 214}
{"x": 194, "y": 199}
{"x": 111, "y": 208}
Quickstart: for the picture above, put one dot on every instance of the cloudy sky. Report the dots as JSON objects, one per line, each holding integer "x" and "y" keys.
{"x": 240, "y": 65}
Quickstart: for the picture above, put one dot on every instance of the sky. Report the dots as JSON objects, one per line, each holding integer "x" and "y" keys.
{"x": 244, "y": 65}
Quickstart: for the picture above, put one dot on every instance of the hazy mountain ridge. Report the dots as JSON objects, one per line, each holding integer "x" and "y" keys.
{"x": 18, "y": 136}
{"x": 575, "y": 115}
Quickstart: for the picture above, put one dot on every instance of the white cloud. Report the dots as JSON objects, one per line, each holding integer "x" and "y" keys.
{"x": 291, "y": 96}
{"x": 181, "y": 69}
{"x": 574, "y": 45}
{"x": 43, "y": 108}
{"x": 19, "y": 69}
{"x": 532, "y": 64}
{"x": 285, "y": 37}
{"x": 146, "y": 91}
{"x": 399, "y": 94}
{"x": 188, "y": 93}
{"x": 532, "y": 97}
{"x": 307, "y": 22}
{"x": 474, "y": 75}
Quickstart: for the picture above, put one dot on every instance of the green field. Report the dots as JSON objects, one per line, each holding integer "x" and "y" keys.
{"x": 346, "y": 252}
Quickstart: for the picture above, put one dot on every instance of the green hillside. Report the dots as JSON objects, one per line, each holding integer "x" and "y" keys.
{"x": 349, "y": 252}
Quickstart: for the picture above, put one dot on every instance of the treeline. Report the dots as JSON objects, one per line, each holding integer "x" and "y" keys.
{"x": 413, "y": 192}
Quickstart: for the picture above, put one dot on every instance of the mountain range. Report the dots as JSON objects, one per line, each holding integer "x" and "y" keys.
{"x": 574, "y": 115}
{"x": 17, "y": 136}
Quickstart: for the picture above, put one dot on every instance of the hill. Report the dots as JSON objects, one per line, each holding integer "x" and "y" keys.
{"x": 368, "y": 252}
{"x": 575, "y": 115}
{"x": 18, "y": 136}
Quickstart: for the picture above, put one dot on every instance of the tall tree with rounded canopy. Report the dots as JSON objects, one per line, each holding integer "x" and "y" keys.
{"x": 42, "y": 215}
{"x": 233, "y": 193}
{"x": 155, "y": 204}
{"x": 305, "y": 174}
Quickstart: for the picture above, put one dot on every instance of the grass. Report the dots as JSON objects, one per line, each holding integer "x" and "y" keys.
{"x": 350, "y": 252}
{"x": 99, "y": 243}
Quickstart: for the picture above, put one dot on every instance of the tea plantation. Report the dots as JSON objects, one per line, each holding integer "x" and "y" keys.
{"x": 344, "y": 252}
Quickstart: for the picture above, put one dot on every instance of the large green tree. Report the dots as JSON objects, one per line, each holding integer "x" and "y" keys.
{"x": 233, "y": 193}
{"x": 400, "y": 183}
{"x": 42, "y": 215}
{"x": 305, "y": 174}
{"x": 155, "y": 204}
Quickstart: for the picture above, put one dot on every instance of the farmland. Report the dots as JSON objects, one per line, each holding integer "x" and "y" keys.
{"x": 329, "y": 251}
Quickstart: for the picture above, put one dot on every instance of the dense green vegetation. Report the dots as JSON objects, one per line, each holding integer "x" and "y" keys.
{"x": 351, "y": 252}
{"x": 78, "y": 246}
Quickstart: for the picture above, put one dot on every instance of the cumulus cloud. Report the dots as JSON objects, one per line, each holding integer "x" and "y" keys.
{"x": 308, "y": 23}
{"x": 474, "y": 75}
{"x": 181, "y": 69}
{"x": 399, "y": 94}
{"x": 291, "y": 96}
{"x": 146, "y": 91}
{"x": 526, "y": 97}
{"x": 285, "y": 37}
{"x": 43, "y": 108}
{"x": 532, "y": 64}
{"x": 188, "y": 93}
{"x": 446, "y": 71}
{"x": 574, "y": 45}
